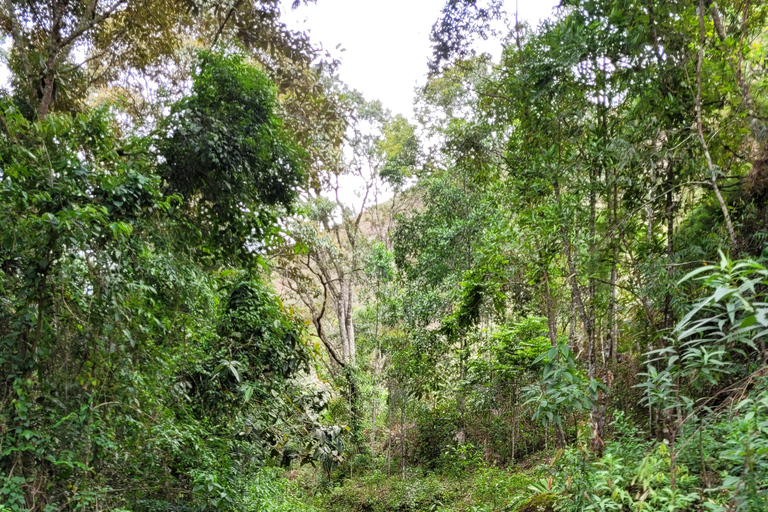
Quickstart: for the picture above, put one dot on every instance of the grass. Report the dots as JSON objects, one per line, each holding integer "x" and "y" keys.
{"x": 483, "y": 489}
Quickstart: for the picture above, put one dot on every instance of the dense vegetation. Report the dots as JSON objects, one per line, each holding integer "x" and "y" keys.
{"x": 562, "y": 304}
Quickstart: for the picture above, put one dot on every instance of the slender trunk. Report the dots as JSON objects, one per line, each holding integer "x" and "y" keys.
{"x": 672, "y": 464}
{"x": 389, "y": 432}
{"x": 746, "y": 95}
{"x": 612, "y": 311}
{"x": 344, "y": 316}
{"x": 670, "y": 212}
{"x": 653, "y": 429}
{"x": 47, "y": 99}
{"x": 350, "y": 324}
{"x": 700, "y": 129}
{"x": 572, "y": 323}
{"x": 614, "y": 327}
{"x": 575, "y": 288}
{"x": 377, "y": 360}
{"x": 373, "y": 426}
{"x": 559, "y": 436}
{"x": 594, "y": 415}
{"x": 649, "y": 207}
{"x": 49, "y": 74}
{"x": 402, "y": 434}
{"x": 356, "y": 415}
{"x": 702, "y": 457}
{"x": 461, "y": 434}
{"x": 551, "y": 318}
{"x": 514, "y": 433}
{"x": 58, "y": 12}
{"x": 586, "y": 310}
{"x": 341, "y": 316}
{"x": 611, "y": 338}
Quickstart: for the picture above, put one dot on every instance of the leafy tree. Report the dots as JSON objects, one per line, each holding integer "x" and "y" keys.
{"x": 228, "y": 156}
{"x": 125, "y": 360}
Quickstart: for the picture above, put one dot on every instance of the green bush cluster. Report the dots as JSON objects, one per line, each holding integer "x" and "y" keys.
{"x": 485, "y": 488}
{"x": 637, "y": 474}
{"x": 136, "y": 374}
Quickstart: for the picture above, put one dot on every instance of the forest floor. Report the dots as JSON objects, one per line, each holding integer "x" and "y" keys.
{"x": 484, "y": 488}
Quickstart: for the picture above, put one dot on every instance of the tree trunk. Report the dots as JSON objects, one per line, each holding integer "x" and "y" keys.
{"x": 402, "y": 434}
{"x": 559, "y": 436}
{"x": 610, "y": 347}
{"x": 551, "y": 318}
{"x": 514, "y": 433}
{"x": 700, "y": 129}
{"x": 670, "y": 212}
{"x": 391, "y": 405}
{"x": 594, "y": 415}
{"x": 373, "y": 427}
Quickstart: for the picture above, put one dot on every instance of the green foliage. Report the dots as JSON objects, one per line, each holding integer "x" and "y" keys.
{"x": 744, "y": 449}
{"x": 631, "y": 475}
{"x": 261, "y": 331}
{"x": 461, "y": 22}
{"x": 227, "y": 154}
{"x": 458, "y": 459}
{"x": 270, "y": 491}
{"x": 734, "y": 317}
{"x": 563, "y": 388}
{"x": 132, "y": 376}
{"x": 720, "y": 338}
{"x": 534, "y": 256}
{"x": 435, "y": 446}
{"x": 544, "y": 502}
{"x": 485, "y": 489}
{"x": 401, "y": 149}
{"x": 661, "y": 480}
{"x": 520, "y": 347}
{"x": 634, "y": 474}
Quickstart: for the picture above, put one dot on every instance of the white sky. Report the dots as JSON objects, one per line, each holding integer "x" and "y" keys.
{"x": 387, "y": 42}
{"x": 386, "y": 45}
{"x": 386, "y": 48}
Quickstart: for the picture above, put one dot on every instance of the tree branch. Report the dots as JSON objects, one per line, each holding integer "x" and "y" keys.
{"x": 700, "y": 129}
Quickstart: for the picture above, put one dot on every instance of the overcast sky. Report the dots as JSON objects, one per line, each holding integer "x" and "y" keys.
{"x": 386, "y": 48}
{"x": 386, "y": 41}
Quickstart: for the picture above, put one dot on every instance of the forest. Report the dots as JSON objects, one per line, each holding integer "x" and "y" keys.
{"x": 550, "y": 292}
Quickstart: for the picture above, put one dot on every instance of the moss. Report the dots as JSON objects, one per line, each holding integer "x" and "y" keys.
{"x": 539, "y": 503}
